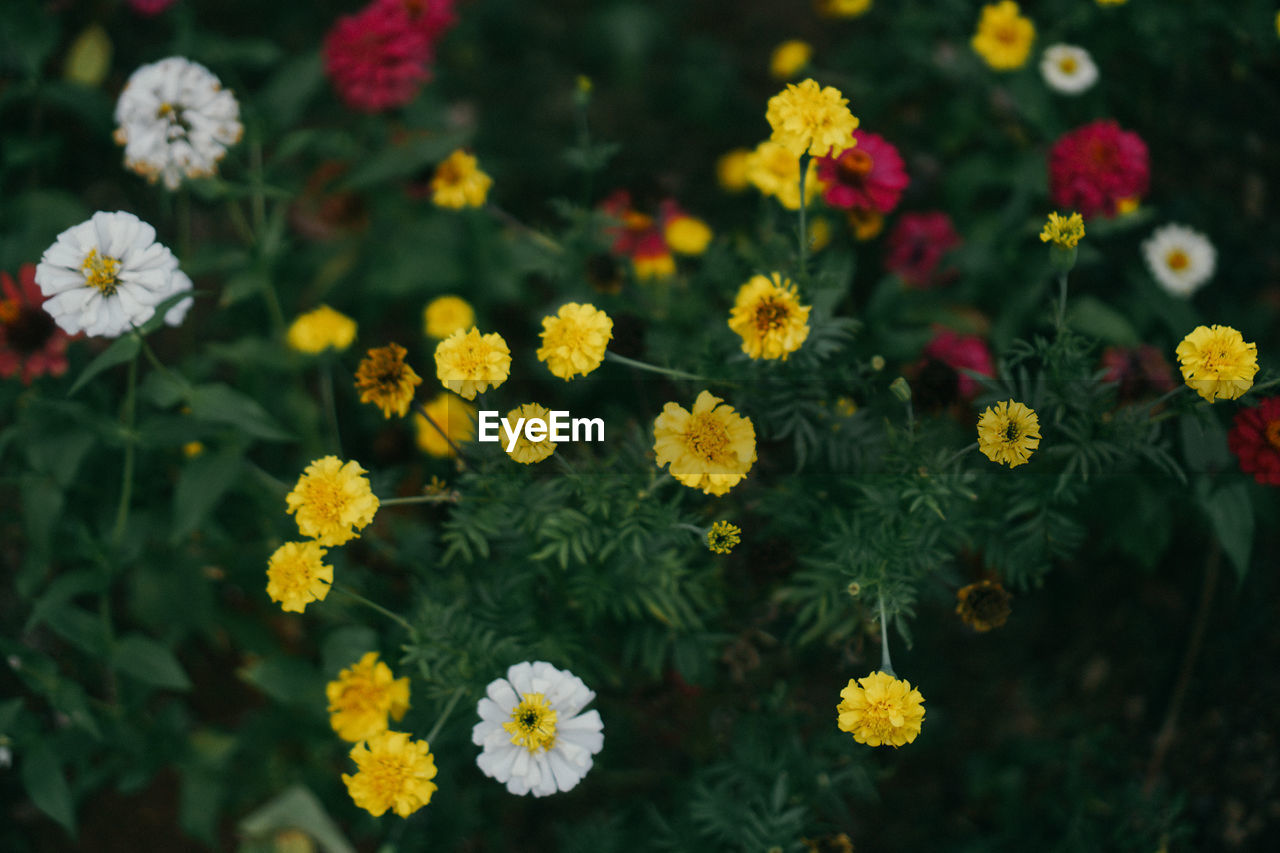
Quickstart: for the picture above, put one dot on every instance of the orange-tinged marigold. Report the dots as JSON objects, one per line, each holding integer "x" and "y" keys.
{"x": 384, "y": 379}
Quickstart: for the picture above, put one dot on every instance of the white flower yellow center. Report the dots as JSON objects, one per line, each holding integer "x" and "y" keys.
{"x": 100, "y": 272}
{"x": 1068, "y": 65}
{"x": 533, "y": 723}
{"x": 1177, "y": 260}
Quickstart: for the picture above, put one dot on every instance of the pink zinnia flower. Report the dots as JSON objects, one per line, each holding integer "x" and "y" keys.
{"x": 1139, "y": 371}
{"x": 150, "y": 7}
{"x": 1255, "y": 440}
{"x": 1094, "y": 167}
{"x": 917, "y": 244}
{"x": 868, "y": 176}
{"x": 31, "y": 344}
{"x": 960, "y": 353}
{"x": 377, "y": 58}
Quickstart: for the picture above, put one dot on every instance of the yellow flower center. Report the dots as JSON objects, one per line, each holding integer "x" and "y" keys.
{"x": 533, "y": 723}
{"x": 707, "y": 436}
{"x": 771, "y": 314}
{"x": 1007, "y": 33}
{"x": 1068, "y": 65}
{"x": 1177, "y": 260}
{"x": 853, "y": 165}
{"x": 879, "y": 716}
{"x": 100, "y": 272}
{"x": 1272, "y": 432}
{"x": 1011, "y": 432}
{"x": 325, "y": 500}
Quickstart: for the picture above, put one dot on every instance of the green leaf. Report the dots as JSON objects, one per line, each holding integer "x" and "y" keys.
{"x": 218, "y": 403}
{"x": 41, "y": 508}
{"x": 288, "y": 680}
{"x": 1204, "y": 441}
{"x": 1230, "y": 513}
{"x": 9, "y": 711}
{"x": 203, "y": 482}
{"x": 47, "y": 786}
{"x": 1095, "y": 318}
{"x": 290, "y": 89}
{"x": 121, "y": 350}
{"x": 401, "y": 161}
{"x": 149, "y": 662}
{"x": 157, "y": 319}
{"x": 163, "y": 389}
{"x": 296, "y": 808}
{"x": 345, "y": 646}
{"x": 242, "y": 286}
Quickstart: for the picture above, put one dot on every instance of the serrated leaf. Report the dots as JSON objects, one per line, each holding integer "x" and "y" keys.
{"x": 47, "y": 786}
{"x": 150, "y": 662}
{"x": 121, "y": 350}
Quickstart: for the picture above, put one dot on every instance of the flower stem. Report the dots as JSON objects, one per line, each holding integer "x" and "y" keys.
{"x": 395, "y": 617}
{"x": 457, "y": 451}
{"x": 1061, "y": 318}
{"x": 126, "y": 479}
{"x": 444, "y": 715}
{"x": 416, "y": 499}
{"x": 886, "y": 665}
{"x": 331, "y": 410}
{"x": 642, "y": 365}
{"x": 961, "y": 452}
{"x": 534, "y": 234}
{"x": 696, "y": 531}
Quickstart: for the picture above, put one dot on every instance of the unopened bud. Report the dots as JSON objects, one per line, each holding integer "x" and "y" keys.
{"x": 901, "y": 389}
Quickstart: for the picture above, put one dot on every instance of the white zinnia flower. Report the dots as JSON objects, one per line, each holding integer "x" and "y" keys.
{"x": 106, "y": 275}
{"x": 178, "y": 312}
{"x": 1182, "y": 259}
{"x": 1068, "y": 69}
{"x": 534, "y": 738}
{"x": 175, "y": 120}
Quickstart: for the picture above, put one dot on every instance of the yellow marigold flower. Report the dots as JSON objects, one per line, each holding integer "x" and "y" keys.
{"x": 450, "y": 413}
{"x": 790, "y": 58}
{"x": 574, "y": 339}
{"x": 660, "y": 265}
{"x": 385, "y": 380}
{"x": 1008, "y": 433}
{"x": 880, "y": 710}
{"x": 297, "y": 575}
{"x": 983, "y": 605}
{"x": 1064, "y": 231}
{"x": 1125, "y": 206}
{"x": 711, "y": 448}
{"x": 393, "y": 772}
{"x": 842, "y": 8}
{"x": 469, "y": 363}
{"x": 723, "y": 537}
{"x": 767, "y": 314}
{"x": 807, "y": 117}
{"x": 731, "y": 170}
{"x": 1217, "y": 363}
{"x": 319, "y": 329}
{"x": 865, "y": 224}
{"x": 332, "y": 500}
{"x": 192, "y": 449}
{"x": 525, "y": 451}
{"x": 775, "y": 171}
{"x": 458, "y": 182}
{"x": 687, "y": 235}
{"x": 445, "y": 315}
{"x": 1004, "y": 36}
{"x": 363, "y": 696}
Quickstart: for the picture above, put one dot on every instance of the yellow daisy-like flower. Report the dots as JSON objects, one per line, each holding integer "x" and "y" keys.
{"x": 687, "y": 235}
{"x": 1063, "y": 231}
{"x": 1008, "y": 433}
{"x": 1217, "y": 363}
{"x": 1004, "y": 36}
{"x": 394, "y": 772}
{"x": 723, "y": 537}
{"x": 469, "y": 363}
{"x": 574, "y": 340}
{"x": 363, "y": 696}
{"x": 775, "y": 171}
{"x": 880, "y": 710}
{"x": 459, "y": 182}
{"x": 525, "y": 451}
{"x": 711, "y": 448}
{"x": 445, "y": 315}
{"x": 297, "y": 575}
{"x": 332, "y": 500}
{"x": 842, "y": 8}
{"x": 767, "y": 314}
{"x": 808, "y": 117}
{"x": 319, "y": 329}
{"x": 789, "y": 59}
{"x": 731, "y": 170}
{"x": 450, "y": 413}
{"x": 983, "y": 605}
{"x": 385, "y": 380}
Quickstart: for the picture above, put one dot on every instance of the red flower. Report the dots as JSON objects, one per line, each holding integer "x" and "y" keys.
{"x": 30, "y": 341}
{"x": 378, "y": 57}
{"x": 868, "y": 176}
{"x": 917, "y": 244}
{"x": 639, "y": 236}
{"x": 1255, "y": 439}
{"x": 1095, "y": 166}
{"x": 962, "y": 352}
{"x": 1140, "y": 371}
{"x": 148, "y": 8}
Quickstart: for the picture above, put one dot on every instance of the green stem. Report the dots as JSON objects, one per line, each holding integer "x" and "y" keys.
{"x": 886, "y": 665}
{"x": 961, "y": 452}
{"x": 536, "y": 235}
{"x": 1061, "y": 318}
{"x": 395, "y": 617}
{"x": 184, "y": 223}
{"x": 641, "y": 365}
{"x": 696, "y": 531}
{"x": 126, "y": 481}
{"x": 330, "y": 409}
{"x": 416, "y": 499}
{"x": 156, "y": 364}
{"x": 804, "y": 231}
{"x": 457, "y": 451}
{"x": 444, "y": 715}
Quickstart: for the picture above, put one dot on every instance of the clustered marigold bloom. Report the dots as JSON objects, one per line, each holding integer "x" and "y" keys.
{"x": 448, "y": 412}
{"x": 468, "y": 363}
{"x": 775, "y": 171}
{"x": 880, "y": 710}
{"x": 31, "y": 344}
{"x": 868, "y": 175}
{"x": 377, "y": 58}
{"x": 445, "y": 315}
{"x": 1181, "y": 258}
{"x": 1008, "y": 433}
{"x": 320, "y": 329}
{"x": 983, "y": 605}
{"x": 528, "y": 452}
{"x": 1004, "y": 36}
{"x": 1255, "y": 440}
{"x": 1063, "y": 231}
{"x": 769, "y": 318}
{"x": 916, "y": 246}
{"x": 297, "y": 575}
{"x": 711, "y": 448}
{"x": 1068, "y": 69}
{"x": 1097, "y": 169}
{"x": 363, "y": 696}
{"x": 393, "y": 772}
{"x": 332, "y": 500}
{"x": 574, "y": 339}
{"x": 459, "y": 182}
{"x": 958, "y": 353}
{"x": 808, "y": 117}
{"x": 723, "y": 537}
{"x": 789, "y": 59}
{"x": 384, "y": 379}
{"x": 1217, "y": 363}
{"x": 842, "y": 8}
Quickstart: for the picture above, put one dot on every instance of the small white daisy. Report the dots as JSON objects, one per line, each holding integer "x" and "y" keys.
{"x": 1181, "y": 259}
{"x": 106, "y": 275}
{"x": 535, "y": 739}
{"x": 175, "y": 120}
{"x": 1068, "y": 69}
